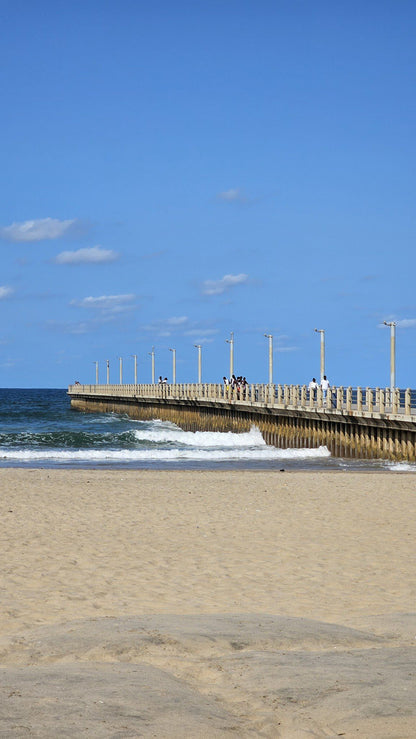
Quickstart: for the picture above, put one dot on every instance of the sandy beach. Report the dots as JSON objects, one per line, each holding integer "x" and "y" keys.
{"x": 207, "y": 604}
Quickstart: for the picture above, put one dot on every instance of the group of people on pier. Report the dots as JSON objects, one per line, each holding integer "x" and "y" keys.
{"x": 313, "y": 387}
{"x": 239, "y": 384}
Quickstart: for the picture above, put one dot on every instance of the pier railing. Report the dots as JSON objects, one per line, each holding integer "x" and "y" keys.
{"x": 374, "y": 402}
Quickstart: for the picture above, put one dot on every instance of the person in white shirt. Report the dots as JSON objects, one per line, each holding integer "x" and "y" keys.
{"x": 313, "y": 386}
{"x": 324, "y": 386}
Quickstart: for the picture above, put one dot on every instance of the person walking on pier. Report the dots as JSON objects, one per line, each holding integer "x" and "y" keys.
{"x": 324, "y": 386}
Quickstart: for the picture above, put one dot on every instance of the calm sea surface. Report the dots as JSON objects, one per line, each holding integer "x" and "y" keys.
{"x": 38, "y": 428}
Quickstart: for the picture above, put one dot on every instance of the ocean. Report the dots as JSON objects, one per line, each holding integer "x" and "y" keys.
{"x": 38, "y": 428}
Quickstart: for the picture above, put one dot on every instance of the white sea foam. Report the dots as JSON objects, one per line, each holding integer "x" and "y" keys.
{"x": 205, "y": 439}
{"x": 266, "y": 453}
{"x": 401, "y": 467}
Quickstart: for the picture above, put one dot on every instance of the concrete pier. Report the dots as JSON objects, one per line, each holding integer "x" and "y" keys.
{"x": 370, "y": 423}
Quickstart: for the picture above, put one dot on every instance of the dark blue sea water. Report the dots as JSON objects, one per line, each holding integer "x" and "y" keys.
{"x": 38, "y": 428}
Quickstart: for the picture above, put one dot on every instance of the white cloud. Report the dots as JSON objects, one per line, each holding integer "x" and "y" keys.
{"x": 234, "y": 195}
{"x": 407, "y": 323}
{"x": 180, "y": 325}
{"x": 72, "y": 328}
{"x": 400, "y": 323}
{"x": 201, "y": 332}
{"x": 106, "y": 303}
{"x": 5, "y": 291}
{"x": 166, "y": 326}
{"x": 202, "y": 340}
{"x": 91, "y": 255}
{"x": 38, "y": 230}
{"x": 217, "y": 287}
{"x": 78, "y": 328}
{"x": 177, "y": 320}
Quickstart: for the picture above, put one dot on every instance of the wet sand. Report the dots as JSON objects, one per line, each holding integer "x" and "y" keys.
{"x": 205, "y": 604}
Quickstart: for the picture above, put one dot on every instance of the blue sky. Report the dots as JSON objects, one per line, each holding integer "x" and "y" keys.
{"x": 175, "y": 171}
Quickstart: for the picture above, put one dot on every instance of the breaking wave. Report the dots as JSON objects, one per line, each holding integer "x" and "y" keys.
{"x": 202, "y": 439}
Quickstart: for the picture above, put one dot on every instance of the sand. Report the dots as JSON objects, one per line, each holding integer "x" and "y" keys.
{"x": 207, "y": 604}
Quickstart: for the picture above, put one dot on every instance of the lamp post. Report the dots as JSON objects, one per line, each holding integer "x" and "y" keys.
{"x": 322, "y": 332}
{"x": 121, "y": 369}
{"x": 135, "y": 368}
{"x": 270, "y": 338}
{"x": 199, "y": 347}
{"x": 230, "y": 341}
{"x": 392, "y": 325}
{"x": 173, "y": 365}
{"x": 96, "y": 372}
{"x": 108, "y": 371}
{"x": 152, "y": 354}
